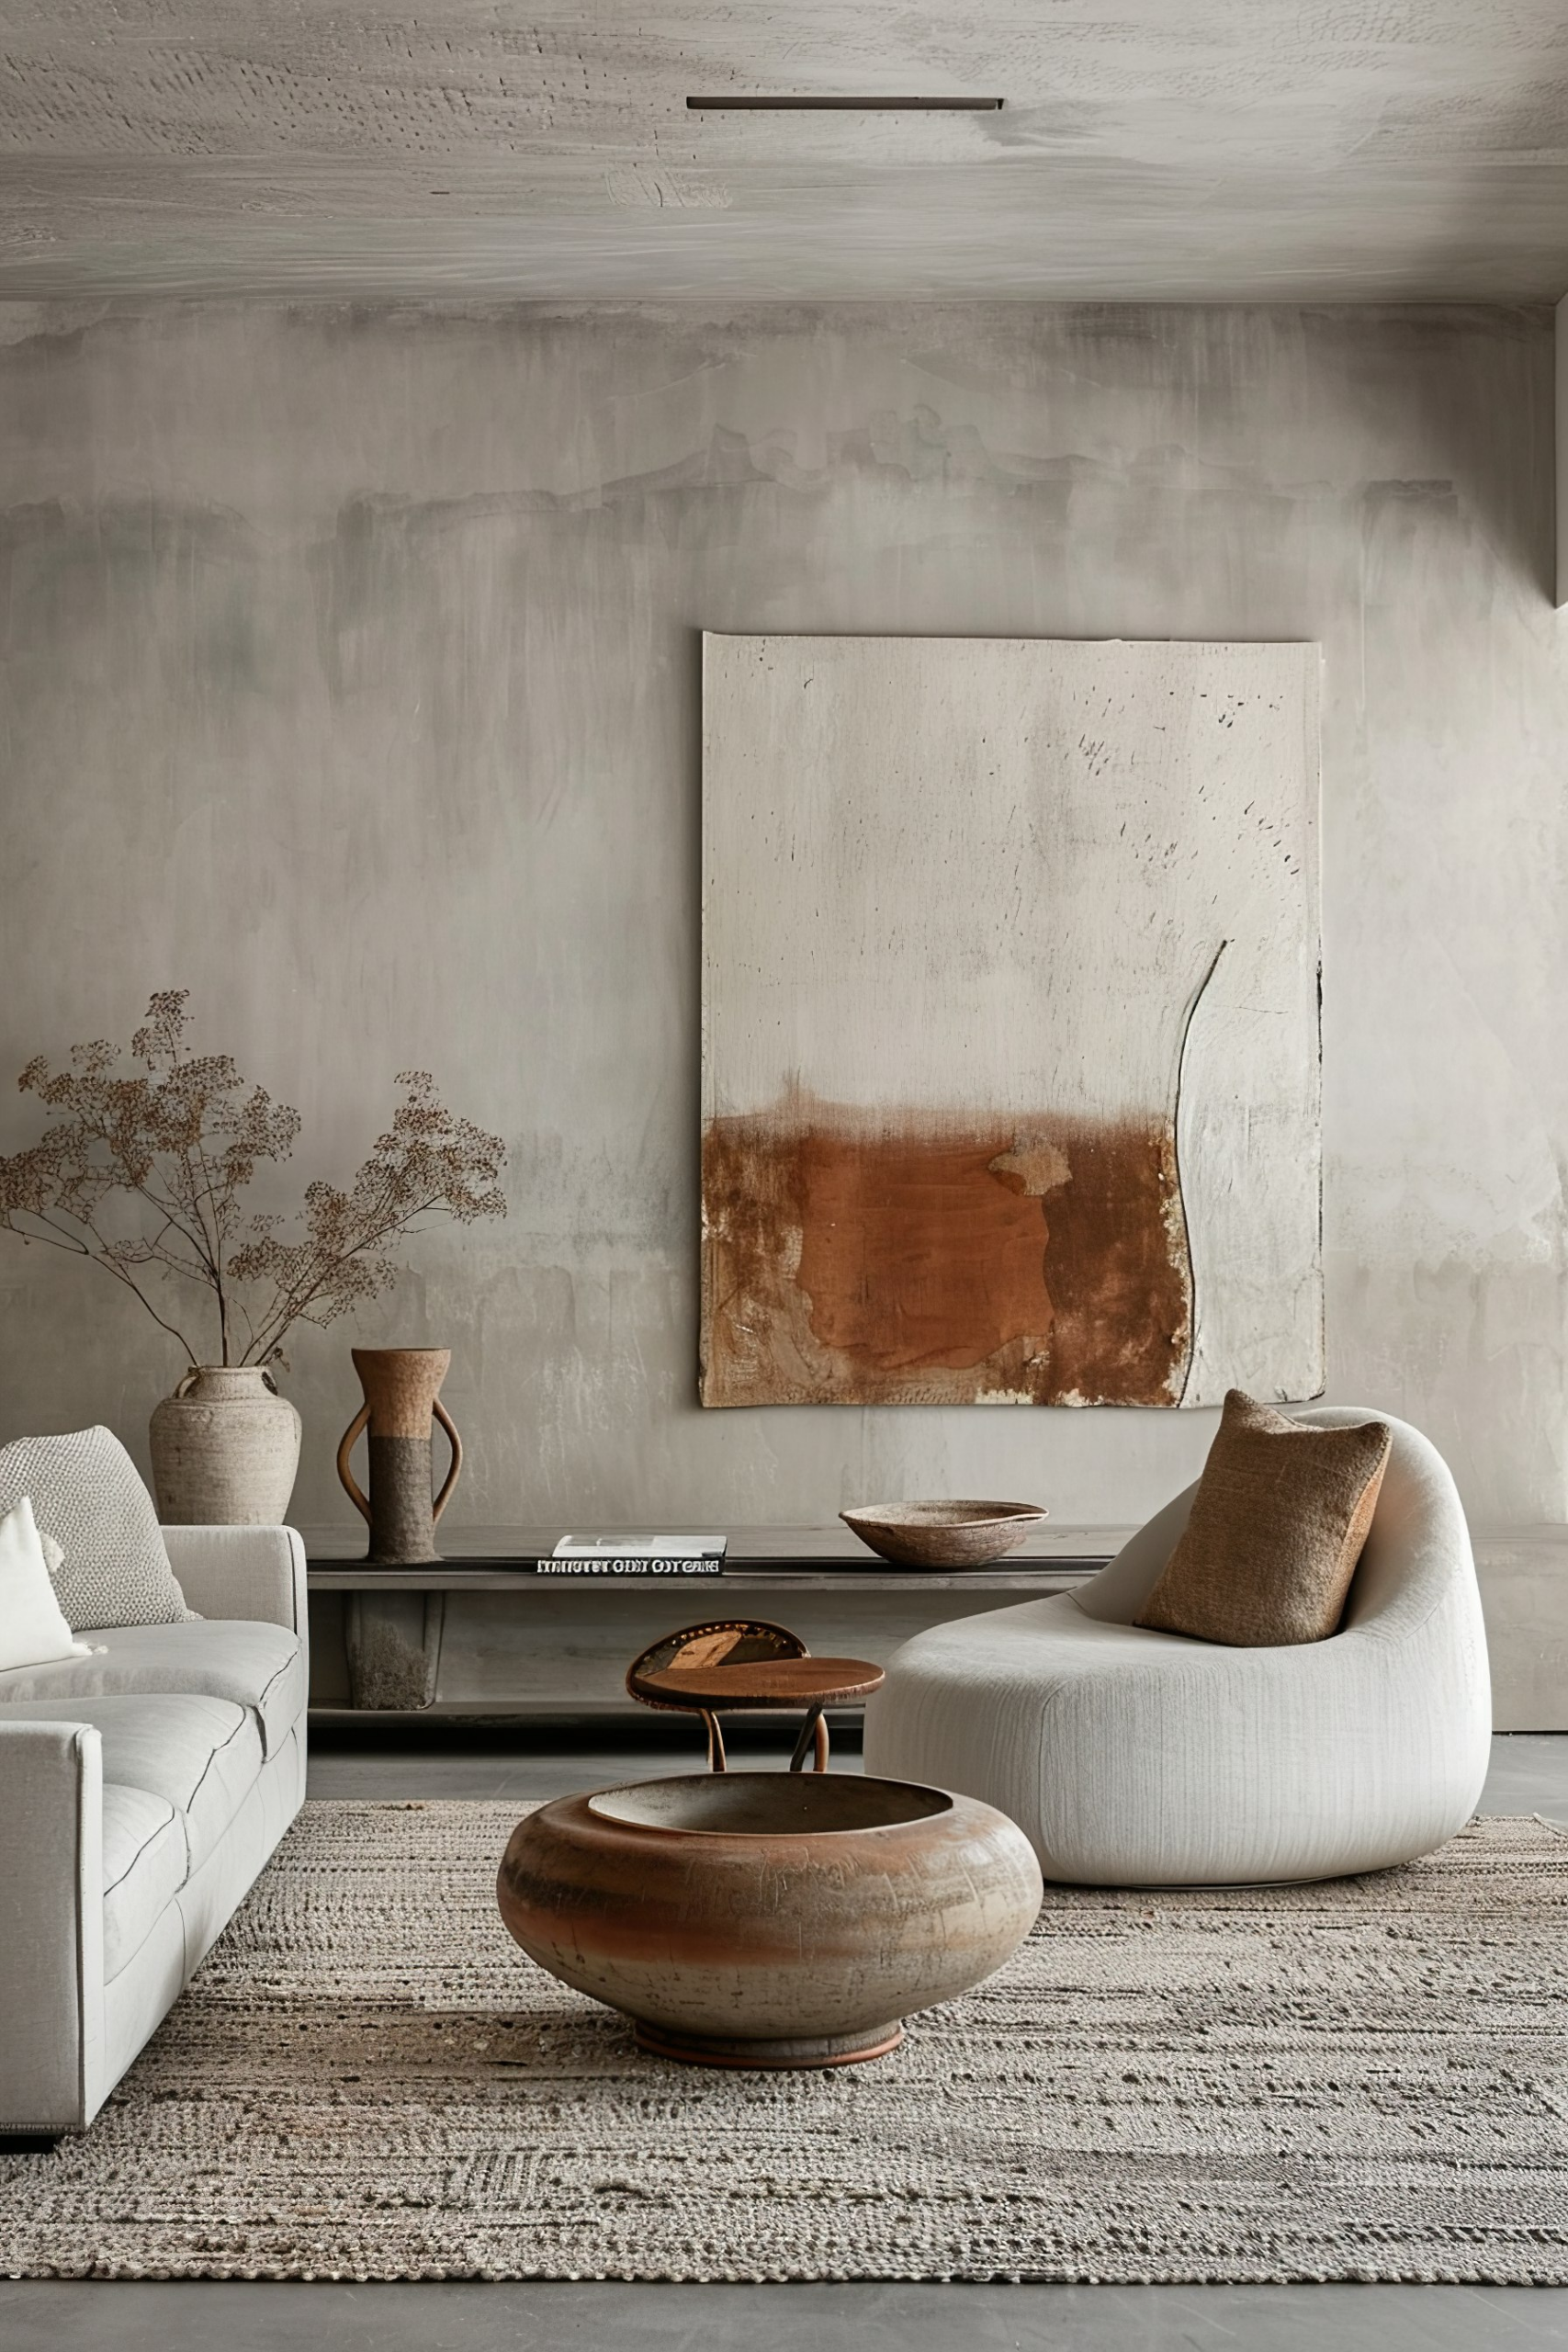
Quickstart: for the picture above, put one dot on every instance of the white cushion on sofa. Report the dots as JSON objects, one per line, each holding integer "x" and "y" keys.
{"x": 201, "y": 1755}
{"x": 145, "y": 1865}
{"x": 86, "y": 1494}
{"x": 32, "y": 1630}
{"x": 251, "y": 1664}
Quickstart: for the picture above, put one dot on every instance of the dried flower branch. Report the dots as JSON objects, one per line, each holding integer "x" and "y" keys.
{"x": 180, "y": 1141}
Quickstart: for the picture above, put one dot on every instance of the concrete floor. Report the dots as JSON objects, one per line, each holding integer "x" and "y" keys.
{"x": 1530, "y": 1774}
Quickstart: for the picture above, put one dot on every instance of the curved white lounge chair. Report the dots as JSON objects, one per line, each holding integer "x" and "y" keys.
{"x": 1135, "y": 1759}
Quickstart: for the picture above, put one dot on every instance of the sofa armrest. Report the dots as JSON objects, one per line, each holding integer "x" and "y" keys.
{"x": 250, "y": 1572}
{"x": 51, "y": 1925}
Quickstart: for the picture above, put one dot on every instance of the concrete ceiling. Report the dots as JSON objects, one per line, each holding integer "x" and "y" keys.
{"x": 1175, "y": 150}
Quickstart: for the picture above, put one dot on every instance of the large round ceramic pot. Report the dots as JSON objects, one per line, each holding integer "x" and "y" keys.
{"x": 769, "y": 1919}
{"x": 225, "y": 1449}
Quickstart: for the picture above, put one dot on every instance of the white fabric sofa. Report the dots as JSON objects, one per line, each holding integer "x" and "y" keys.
{"x": 141, "y": 1793}
{"x": 1137, "y": 1758}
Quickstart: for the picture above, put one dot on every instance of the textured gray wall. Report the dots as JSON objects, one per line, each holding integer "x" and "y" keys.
{"x": 350, "y": 678}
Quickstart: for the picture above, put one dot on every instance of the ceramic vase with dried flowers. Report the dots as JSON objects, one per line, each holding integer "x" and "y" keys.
{"x": 176, "y": 1140}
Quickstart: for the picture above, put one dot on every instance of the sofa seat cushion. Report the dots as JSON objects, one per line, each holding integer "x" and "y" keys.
{"x": 212, "y": 1658}
{"x": 201, "y": 1755}
{"x": 144, "y": 1868}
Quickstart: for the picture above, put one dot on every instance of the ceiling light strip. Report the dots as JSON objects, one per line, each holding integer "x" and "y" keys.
{"x": 810, "y": 105}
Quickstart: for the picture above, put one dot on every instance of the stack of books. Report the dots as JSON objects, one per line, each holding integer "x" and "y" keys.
{"x": 639, "y": 1556}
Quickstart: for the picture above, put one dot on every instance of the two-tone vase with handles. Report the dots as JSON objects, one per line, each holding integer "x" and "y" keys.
{"x": 402, "y": 1405}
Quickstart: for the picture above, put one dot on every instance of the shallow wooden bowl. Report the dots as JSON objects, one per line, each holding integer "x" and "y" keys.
{"x": 943, "y": 1534}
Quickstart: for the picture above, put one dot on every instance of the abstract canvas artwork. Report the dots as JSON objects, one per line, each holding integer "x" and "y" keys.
{"x": 1011, "y": 1039}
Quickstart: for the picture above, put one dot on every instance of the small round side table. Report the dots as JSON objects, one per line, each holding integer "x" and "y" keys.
{"x": 749, "y": 1666}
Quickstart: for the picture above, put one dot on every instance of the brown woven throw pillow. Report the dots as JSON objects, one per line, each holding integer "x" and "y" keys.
{"x": 1277, "y": 1523}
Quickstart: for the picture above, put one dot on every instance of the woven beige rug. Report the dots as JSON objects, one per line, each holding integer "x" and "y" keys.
{"x": 1361, "y": 2080}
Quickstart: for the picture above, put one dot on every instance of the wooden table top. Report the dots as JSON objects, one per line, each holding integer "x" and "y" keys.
{"x": 765, "y": 1682}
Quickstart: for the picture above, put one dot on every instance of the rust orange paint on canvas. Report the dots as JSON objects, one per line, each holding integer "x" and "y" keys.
{"x": 851, "y": 1257}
